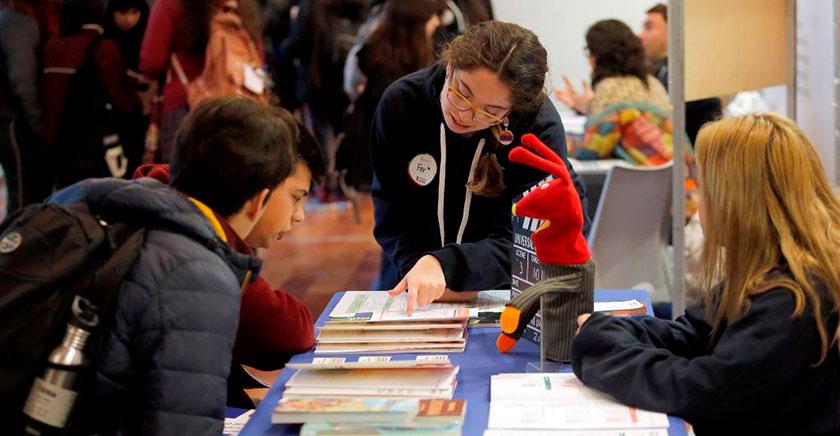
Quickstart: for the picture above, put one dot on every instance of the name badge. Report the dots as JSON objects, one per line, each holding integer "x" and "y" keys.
{"x": 422, "y": 169}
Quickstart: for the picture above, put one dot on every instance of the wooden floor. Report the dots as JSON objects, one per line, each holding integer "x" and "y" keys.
{"x": 328, "y": 252}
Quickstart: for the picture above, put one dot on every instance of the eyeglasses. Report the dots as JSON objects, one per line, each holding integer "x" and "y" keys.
{"x": 463, "y": 103}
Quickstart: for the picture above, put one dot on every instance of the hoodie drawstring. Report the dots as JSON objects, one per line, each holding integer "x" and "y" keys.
{"x": 465, "y": 217}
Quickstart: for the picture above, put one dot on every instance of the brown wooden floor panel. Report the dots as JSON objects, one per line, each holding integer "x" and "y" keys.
{"x": 328, "y": 252}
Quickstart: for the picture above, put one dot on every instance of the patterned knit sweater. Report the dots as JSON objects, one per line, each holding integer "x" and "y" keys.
{"x": 626, "y": 89}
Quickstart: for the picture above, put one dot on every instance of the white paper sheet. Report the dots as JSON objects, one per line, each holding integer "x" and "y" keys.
{"x": 554, "y": 401}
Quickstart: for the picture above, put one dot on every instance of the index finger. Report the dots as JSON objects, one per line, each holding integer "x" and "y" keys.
{"x": 412, "y": 300}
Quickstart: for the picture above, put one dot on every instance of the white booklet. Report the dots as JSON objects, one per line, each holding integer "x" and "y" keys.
{"x": 371, "y": 391}
{"x": 439, "y": 378}
{"x": 558, "y": 401}
{"x": 378, "y": 306}
{"x": 375, "y": 362}
{"x": 384, "y": 326}
{"x": 392, "y": 347}
{"x": 410, "y": 336}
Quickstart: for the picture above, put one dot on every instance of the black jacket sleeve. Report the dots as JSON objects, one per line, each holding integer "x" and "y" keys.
{"x": 669, "y": 366}
{"x": 401, "y": 247}
{"x": 480, "y": 265}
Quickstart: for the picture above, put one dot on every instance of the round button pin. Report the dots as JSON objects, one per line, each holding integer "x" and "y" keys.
{"x": 10, "y": 242}
{"x": 422, "y": 169}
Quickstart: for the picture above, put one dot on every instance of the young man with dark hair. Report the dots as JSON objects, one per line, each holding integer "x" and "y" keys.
{"x": 163, "y": 364}
{"x": 654, "y": 36}
{"x": 273, "y": 325}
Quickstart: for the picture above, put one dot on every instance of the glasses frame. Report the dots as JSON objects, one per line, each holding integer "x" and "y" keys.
{"x": 450, "y": 89}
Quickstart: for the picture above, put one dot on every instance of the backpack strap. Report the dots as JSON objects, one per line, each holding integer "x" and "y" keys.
{"x": 179, "y": 71}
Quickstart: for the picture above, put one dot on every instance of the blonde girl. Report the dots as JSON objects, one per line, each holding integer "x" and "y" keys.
{"x": 760, "y": 355}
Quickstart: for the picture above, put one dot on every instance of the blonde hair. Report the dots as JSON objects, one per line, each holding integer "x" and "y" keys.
{"x": 766, "y": 201}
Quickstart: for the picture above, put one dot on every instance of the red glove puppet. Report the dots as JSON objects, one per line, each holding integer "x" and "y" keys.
{"x": 559, "y": 240}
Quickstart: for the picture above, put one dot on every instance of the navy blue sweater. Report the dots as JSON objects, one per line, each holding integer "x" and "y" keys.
{"x": 753, "y": 376}
{"x": 408, "y": 123}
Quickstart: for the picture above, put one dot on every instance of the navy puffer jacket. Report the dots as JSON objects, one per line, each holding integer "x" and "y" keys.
{"x": 163, "y": 366}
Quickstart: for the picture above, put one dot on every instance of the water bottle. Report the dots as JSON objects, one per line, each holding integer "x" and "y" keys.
{"x": 53, "y": 395}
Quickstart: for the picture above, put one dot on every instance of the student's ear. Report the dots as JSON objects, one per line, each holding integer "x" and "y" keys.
{"x": 255, "y": 206}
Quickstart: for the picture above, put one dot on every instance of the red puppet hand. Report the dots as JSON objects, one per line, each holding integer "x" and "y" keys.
{"x": 559, "y": 240}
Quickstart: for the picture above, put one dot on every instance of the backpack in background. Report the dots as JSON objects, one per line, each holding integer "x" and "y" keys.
{"x": 49, "y": 255}
{"x": 81, "y": 127}
{"x": 232, "y": 63}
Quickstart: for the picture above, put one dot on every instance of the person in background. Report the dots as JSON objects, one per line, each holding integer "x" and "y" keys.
{"x": 443, "y": 185}
{"x": 619, "y": 72}
{"x": 457, "y": 17}
{"x": 277, "y": 19}
{"x": 125, "y": 22}
{"x": 401, "y": 44}
{"x": 273, "y": 324}
{"x": 88, "y": 99}
{"x": 180, "y": 28}
{"x": 629, "y": 118}
{"x": 22, "y": 154}
{"x": 320, "y": 38}
{"x": 760, "y": 354}
{"x": 354, "y": 79}
{"x": 654, "y": 36}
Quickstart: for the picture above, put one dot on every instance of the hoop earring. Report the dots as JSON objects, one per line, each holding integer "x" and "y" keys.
{"x": 506, "y": 136}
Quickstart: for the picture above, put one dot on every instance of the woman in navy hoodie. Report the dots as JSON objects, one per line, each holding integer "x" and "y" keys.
{"x": 443, "y": 186}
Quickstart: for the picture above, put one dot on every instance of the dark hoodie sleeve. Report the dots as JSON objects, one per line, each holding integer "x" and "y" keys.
{"x": 665, "y": 366}
{"x": 485, "y": 264}
{"x": 399, "y": 246}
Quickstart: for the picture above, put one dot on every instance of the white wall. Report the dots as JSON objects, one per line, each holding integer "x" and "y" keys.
{"x": 815, "y": 57}
{"x": 561, "y": 26}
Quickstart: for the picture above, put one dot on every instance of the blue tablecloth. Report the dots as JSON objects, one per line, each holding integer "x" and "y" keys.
{"x": 478, "y": 362}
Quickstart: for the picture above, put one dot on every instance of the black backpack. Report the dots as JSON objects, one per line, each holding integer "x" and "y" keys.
{"x": 49, "y": 255}
{"x": 79, "y": 115}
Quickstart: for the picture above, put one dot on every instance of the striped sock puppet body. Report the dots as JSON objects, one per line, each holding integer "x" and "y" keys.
{"x": 561, "y": 249}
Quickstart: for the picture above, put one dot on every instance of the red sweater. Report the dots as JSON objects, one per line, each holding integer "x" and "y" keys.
{"x": 273, "y": 325}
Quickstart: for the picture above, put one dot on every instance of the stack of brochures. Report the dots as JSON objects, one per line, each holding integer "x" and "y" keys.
{"x": 374, "y": 322}
{"x": 363, "y": 416}
{"x": 552, "y": 402}
{"x": 373, "y": 376}
{"x": 373, "y": 395}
